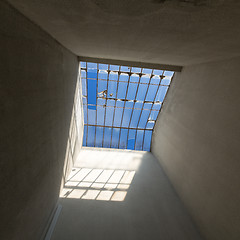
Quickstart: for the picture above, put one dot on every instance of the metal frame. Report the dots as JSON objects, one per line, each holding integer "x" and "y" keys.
{"x": 106, "y": 96}
{"x": 167, "y": 67}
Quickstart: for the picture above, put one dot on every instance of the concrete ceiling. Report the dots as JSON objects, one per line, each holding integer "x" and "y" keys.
{"x": 177, "y": 32}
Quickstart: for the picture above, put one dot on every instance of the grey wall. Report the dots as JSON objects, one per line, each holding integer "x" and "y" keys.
{"x": 151, "y": 209}
{"x": 75, "y": 137}
{"x": 37, "y": 86}
{"x": 196, "y": 139}
{"x": 177, "y": 32}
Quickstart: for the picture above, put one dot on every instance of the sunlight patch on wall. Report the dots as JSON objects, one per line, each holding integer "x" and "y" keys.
{"x": 98, "y": 184}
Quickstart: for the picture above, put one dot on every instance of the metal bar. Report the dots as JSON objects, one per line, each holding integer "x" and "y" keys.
{"x": 164, "y": 99}
{"x": 115, "y": 103}
{"x": 134, "y": 105}
{"x": 106, "y": 105}
{"x": 91, "y": 125}
{"x": 96, "y": 109}
{"x": 87, "y": 102}
{"x": 124, "y": 105}
{"x": 131, "y": 82}
{"x": 161, "y": 78}
{"x": 144, "y": 101}
{"x": 131, "y": 63}
{"x": 127, "y": 100}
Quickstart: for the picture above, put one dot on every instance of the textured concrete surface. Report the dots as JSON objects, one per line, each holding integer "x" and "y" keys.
{"x": 74, "y": 143}
{"x": 177, "y": 32}
{"x": 197, "y": 139}
{"x": 150, "y": 210}
{"x": 37, "y": 87}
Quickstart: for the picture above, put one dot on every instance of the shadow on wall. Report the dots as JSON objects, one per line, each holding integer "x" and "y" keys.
{"x": 74, "y": 143}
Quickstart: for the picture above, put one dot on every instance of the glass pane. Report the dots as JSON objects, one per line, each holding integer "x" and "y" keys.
{"x": 151, "y": 92}
{"x": 83, "y": 64}
{"x": 84, "y": 135}
{"x": 101, "y": 101}
{"x": 100, "y": 115}
{"x": 110, "y": 103}
{"x": 103, "y": 66}
{"x": 84, "y": 99}
{"x": 124, "y": 77}
{"x": 129, "y": 104}
{"x": 157, "y": 106}
{"x": 132, "y": 88}
{"x": 92, "y": 116}
{"x": 136, "y": 70}
{"x": 92, "y": 93}
{"x": 155, "y": 80}
{"x": 147, "y": 140}
{"x": 84, "y": 89}
{"x": 91, "y": 136}
{"x": 85, "y": 113}
{"x": 147, "y": 71}
{"x": 150, "y": 125}
{"x": 161, "y": 93}
{"x": 107, "y": 137}
{"x": 153, "y": 115}
{"x": 102, "y": 86}
{"x": 113, "y": 76}
{"x": 103, "y": 75}
{"x": 126, "y": 117}
{"x": 109, "y": 116}
{"x": 112, "y": 88}
{"x": 142, "y": 92}
{"x": 157, "y": 72}
{"x": 120, "y": 104}
{"x": 125, "y": 69}
{"x": 131, "y": 139}
{"x": 135, "y": 118}
{"x": 147, "y": 106}
{"x": 115, "y": 137}
{"x": 122, "y": 90}
{"x": 99, "y": 136}
{"x": 123, "y": 138}
{"x": 145, "y": 79}
{"x": 117, "y": 117}
{"x": 138, "y": 105}
{"x": 139, "y": 139}
{"x": 91, "y": 66}
{"x": 143, "y": 119}
{"x": 114, "y": 67}
{"x": 134, "y": 78}
{"x": 83, "y": 73}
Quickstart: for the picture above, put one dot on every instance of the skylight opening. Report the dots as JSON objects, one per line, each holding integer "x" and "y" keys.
{"x": 121, "y": 104}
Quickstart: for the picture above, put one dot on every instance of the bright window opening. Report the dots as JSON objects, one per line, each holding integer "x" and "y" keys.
{"x": 121, "y": 104}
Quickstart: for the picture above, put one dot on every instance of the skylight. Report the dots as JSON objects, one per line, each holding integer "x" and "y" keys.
{"x": 121, "y": 104}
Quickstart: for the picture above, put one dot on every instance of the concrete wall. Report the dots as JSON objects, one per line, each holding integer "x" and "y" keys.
{"x": 150, "y": 209}
{"x": 75, "y": 137}
{"x": 196, "y": 139}
{"x": 37, "y": 86}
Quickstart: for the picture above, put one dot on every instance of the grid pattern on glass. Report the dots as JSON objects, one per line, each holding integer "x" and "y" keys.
{"x": 121, "y": 104}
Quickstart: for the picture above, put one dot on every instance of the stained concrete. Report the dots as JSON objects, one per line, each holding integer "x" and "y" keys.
{"x": 197, "y": 139}
{"x": 176, "y": 32}
{"x": 150, "y": 210}
{"x": 38, "y": 79}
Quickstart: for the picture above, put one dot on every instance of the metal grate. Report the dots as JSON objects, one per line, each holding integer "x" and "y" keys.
{"x": 121, "y": 104}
